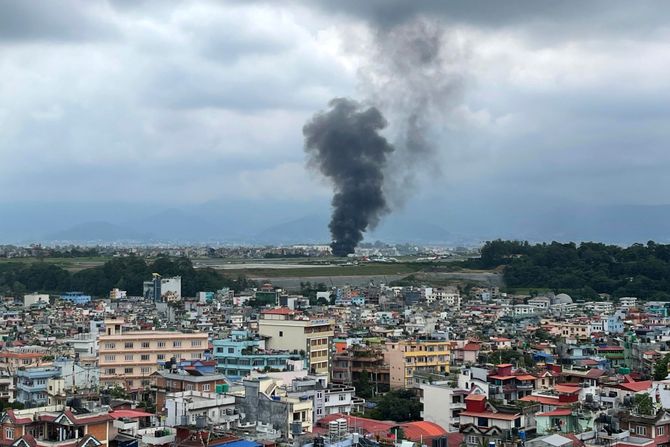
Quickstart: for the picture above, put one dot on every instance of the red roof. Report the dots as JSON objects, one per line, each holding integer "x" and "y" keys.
{"x": 567, "y": 389}
{"x": 472, "y": 347}
{"x": 610, "y": 348}
{"x": 558, "y": 412}
{"x": 636, "y": 386}
{"x": 526, "y": 377}
{"x": 421, "y": 430}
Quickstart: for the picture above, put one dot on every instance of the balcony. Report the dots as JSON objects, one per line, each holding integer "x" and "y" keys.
{"x": 524, "y": 386}
{"x": 160, "y": 436}
{"x": 126, "y": 424}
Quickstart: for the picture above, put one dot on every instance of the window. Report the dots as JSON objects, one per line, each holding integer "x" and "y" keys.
{"x": 641, "y": 430}
{"x": 129, "y": 357}
{"x": 205, "y": 386}
{"x": 110, "y": 358}
{"x": 110, "y": 345}
{"x": 144, "y": 357}
{"x": 231, "y": 350}
{"x": 472, "y": 439}
{"x": 146, "y": 370}
{"x": 161, "y": 344}
{"x": 196, "y": 355}
{"x": 128, "y": 345}
{"x": 281, "y": 333}
{"x": 160, "y": 357}
{"x": 9, "y": 433}
{"x": 189, "y": 387}
{"x": 145, "y": 344}
{"x": 110, "y": 371}
{"x": 482, "y": 422}
{"x": 195, "y": 343}
{"x": 176, "y": 344}
{"x": 661, "y": 430}
{"x": 128, "y": 370}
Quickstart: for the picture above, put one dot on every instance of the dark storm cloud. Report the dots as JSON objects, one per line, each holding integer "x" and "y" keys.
{"x": 564, "y": 17}
{"x": 345, "y": 145}
{"x": 63, "y": 21}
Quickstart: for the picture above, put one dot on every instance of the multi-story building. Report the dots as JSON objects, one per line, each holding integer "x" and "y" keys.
{"x": 35, "y": 299}
{"x": 406, "y": 357}
{"x": 31, "y": 385}
{"x": 162, "y": 289}
{"x": 25, "y": 356}
{"x": 56, "y": 427}
{"x": 241, "y": 353}
{"x": 349, "y": 366}
{"x": 175, "y": 381}
{"x": 326, "y": 399}
{"x": 442, "y": 404}
{"x": 197, "y": 407}
{"x": 263, "y": 404}
{"x": 7, "y": 387}
{"x": 130, "y": 358}
{"x": 76, "y": 297}
{"x": 289, "y": 330}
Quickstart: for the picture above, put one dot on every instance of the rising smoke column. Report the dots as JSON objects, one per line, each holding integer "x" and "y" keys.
{"x": 344, "y": 143}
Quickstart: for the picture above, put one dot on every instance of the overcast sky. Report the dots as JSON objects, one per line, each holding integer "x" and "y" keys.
{"x": 193, "y": 101}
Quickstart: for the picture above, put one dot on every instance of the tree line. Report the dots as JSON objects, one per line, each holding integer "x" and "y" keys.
{"x": 582, "y": 270}
{"x": 126, "y": 273}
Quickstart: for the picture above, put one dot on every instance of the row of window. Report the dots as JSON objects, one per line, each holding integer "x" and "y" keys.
{"x": 145, "y": 370}
{"x": 146, "y": 357}
{"x": 159, "y": 344}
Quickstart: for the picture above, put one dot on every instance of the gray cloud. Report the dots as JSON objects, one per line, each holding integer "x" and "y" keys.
{"x": 63, "y": 21}
{"x": 539, "y": 101}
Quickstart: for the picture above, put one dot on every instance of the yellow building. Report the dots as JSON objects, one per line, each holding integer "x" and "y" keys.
{"x": 407, "y": 357}
{"x": 289, "y": 330}
{"x": 129, "y": 358}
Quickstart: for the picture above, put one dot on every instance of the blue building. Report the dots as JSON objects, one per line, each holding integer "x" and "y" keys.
{"x": 239, "y": 354}
{"x": 31, "y": 385}
{"x": 76, "y": 297}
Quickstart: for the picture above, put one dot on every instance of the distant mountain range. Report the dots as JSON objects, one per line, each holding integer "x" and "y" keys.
{"x": 237, "y": 222}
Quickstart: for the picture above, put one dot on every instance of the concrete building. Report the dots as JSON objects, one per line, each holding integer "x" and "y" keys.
{"x": 242, "y": 353}
{"x": 56, "y": 426}
{"x": 289, "y": 330}
{"x": 129, "y": 359}
{"x": 201, "y": 408}
{"x": 263, "y": 403}
{"x": 34, "y": 299}
{"x": 77, "y": 298}
{"x": 326, "y": 399}
{"x": 176, "y": 381}
{"x": 406, "y": 357}
{"x": 162, "y": 289}
{"x": 31, "y": 385}
{"x": 442, "y": 404}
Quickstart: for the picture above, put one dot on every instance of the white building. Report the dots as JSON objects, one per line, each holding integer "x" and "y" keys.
{"x": 442, "y": 404}
{"x": 628, "y": 301}
{"x": 197, "y": 407}
{"x": 35, "y": 298}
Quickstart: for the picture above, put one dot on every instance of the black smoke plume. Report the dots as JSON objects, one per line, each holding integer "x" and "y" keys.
{"x": 344, "y": 143}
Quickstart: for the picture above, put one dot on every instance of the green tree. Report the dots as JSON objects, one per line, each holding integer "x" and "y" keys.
{"x": 363, "y": 386}
{"x": 399, "y": 406}
{"x": 644, "y": 404}
{"x": 661, "y": 368}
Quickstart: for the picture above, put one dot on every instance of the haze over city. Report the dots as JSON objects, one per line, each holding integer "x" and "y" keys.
{"x": 119, "y": 115}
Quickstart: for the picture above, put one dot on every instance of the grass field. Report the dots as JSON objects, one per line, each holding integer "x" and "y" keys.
{"x": 344, "y": 270}
{"x": 72, "y": 264}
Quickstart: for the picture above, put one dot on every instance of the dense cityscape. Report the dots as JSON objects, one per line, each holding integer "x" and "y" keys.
{"x": 334, "y": 223}
{"x": 253, "y": 363}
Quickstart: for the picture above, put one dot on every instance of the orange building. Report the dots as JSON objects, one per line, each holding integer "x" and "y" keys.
{"x": 55, "y": 427}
